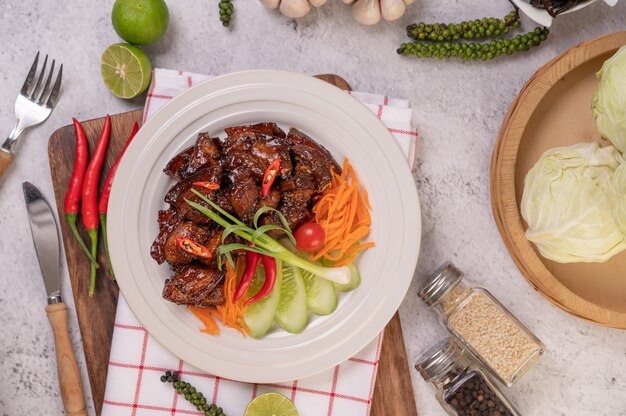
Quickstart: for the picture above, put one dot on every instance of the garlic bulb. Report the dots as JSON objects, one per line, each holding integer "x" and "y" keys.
{"x": 294, "y": 8}
{"x": 392, "y": 9}
{"x": 367, "y": 12}
{"x": 271, "y": 4}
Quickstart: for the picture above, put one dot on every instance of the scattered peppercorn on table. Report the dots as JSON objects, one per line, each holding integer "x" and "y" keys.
{"x": 458, "y": 107}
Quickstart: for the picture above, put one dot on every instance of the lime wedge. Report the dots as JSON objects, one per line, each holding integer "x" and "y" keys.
{"x": 126, "y": 70}
{"x": 271, "y": 404}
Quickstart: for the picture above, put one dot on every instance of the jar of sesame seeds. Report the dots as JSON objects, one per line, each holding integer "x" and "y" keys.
{"x": 463, "y": 389}
{"x": 482, "y": 324}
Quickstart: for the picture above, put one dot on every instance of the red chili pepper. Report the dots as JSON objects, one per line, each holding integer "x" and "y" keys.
{"x": 270, "y": 175}
{"x": 72, "y": 196}
{"x": 194, "y": 248}
{"x": 89, "y": 205}
{"x": 252, "y": 261}
{"x": 104, "y": 197}
{"x": 269, "y": 264}
{"x": 208, "y": 185}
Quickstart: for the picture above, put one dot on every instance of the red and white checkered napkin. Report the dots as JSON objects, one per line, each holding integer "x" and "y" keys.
{"x": 137, "y": 360}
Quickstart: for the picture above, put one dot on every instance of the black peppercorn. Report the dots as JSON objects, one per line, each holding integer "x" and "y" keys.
{"x": 474, "y": 397}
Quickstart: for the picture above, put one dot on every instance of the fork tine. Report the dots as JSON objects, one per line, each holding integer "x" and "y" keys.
{"x": 40, "y": 78}
{"x": 31, "y": 75}
{"x": 54, "y": 95}
{"x": 44, "y": 90}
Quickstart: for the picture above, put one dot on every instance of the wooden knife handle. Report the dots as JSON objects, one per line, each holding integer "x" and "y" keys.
{"x": 67, "y": 368}
{"x": 5, "y": 162}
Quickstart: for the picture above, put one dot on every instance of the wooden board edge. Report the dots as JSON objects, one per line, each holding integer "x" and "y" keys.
{"x": 397, "y": 373}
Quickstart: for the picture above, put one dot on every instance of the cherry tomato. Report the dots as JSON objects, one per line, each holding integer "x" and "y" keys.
{"x": 309, "y": 237}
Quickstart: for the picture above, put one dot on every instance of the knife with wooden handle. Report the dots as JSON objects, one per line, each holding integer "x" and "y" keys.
{"x": 46, "y": 240}
{"x": 5, "y": 161}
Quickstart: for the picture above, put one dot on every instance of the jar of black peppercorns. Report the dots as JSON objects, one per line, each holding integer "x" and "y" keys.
{"x": 463, "y": 389}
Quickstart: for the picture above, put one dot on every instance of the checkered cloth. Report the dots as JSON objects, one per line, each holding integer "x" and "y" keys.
{"x": 137, "y": 360}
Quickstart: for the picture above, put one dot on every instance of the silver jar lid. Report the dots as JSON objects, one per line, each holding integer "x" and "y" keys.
{"x": 441, "y": 360}
{"x": 439, "y": 283}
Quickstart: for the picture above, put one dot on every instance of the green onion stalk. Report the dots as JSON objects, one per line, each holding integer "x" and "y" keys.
{"x": 263, "y": 243}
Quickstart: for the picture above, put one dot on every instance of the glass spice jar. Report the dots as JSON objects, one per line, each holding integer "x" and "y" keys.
{"x": 462, "y": 388}
{"x": 482, "y": 324}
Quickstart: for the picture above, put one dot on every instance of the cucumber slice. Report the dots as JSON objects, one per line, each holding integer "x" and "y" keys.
{"x": 292, "y": 313}
{"x": 320, "y": 294}
{"x": 260, "y": 315}
{"x": 355, "y": 280}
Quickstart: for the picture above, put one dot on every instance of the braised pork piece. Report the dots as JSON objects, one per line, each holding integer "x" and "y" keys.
{"x": 237, "y": 164}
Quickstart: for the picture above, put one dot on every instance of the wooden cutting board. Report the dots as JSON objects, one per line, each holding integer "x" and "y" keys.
{"x": 393, "y": 394}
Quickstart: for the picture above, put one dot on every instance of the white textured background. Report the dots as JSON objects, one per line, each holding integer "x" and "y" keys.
{"x": 458, "y": 108}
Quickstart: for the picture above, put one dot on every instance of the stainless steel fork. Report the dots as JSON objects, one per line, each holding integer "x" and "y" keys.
{"x": 33, "y": 106}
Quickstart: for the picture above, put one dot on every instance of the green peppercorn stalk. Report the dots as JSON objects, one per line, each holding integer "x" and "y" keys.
{"x": 472, "y": 29}
{"x": 473, "y": 50}
{"x": 226, "y": 12}
{"x": 191, "y": 394}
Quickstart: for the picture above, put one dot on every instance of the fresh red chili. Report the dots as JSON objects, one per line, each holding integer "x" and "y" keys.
{"x": 252, "y": 261}
{"x": 207, "y": 185}
{"x": 194, "y": 248}
{"x": 72, "y": 196}
{"x": 89, "y": 205}
{"x": 270, "y": 176}
{"x": 269, "y": 264}
{"x": 106, "y": 190}
{"x": 104, "y": 197}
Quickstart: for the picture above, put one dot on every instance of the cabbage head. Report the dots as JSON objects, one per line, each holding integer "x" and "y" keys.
{"x": 567, "y": 206}
{"x": 618, "y": 197}
{"x": 609, "y": 103}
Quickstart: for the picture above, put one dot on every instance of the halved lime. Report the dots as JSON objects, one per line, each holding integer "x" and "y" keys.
{"x": 126, "y": 70}
{"x": 271, "y": 404}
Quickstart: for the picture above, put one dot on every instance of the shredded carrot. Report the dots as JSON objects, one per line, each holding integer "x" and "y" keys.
{"x": 343, "y": 213}
{"x": 229, "y": 314}
{"x": 210, "y": 326}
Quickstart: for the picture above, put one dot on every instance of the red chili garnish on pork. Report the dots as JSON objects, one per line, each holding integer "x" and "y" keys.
{"x": 269, "y": 177}
{"x": 191, "y": 247}
{"x": 207, "y": 185}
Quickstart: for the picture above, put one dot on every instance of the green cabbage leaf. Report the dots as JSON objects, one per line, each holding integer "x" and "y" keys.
{"x": 609, "y": 103}
{"x": 618, "y": 197}
{"x": 568, "y": 204}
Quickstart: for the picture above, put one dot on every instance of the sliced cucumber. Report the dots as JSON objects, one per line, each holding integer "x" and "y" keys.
{"x": 320, "y": 294}
{"x": 292, "y": 313}
{"x": 355, "y": 280}
{"x": 260, "y": 315}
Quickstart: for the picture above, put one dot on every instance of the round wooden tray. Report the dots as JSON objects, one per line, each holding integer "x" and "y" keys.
{"x": 554, "y": 109}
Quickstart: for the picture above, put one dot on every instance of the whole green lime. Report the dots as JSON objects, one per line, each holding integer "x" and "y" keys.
{"x": 140, "y": 22}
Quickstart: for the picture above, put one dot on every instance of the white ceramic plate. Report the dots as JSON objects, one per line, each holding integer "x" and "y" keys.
{"x": 341, "y": 124}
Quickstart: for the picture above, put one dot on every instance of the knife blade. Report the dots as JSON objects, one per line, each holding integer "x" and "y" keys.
{"x": 45, "y": 234}
{"x": 43, "y": 228}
